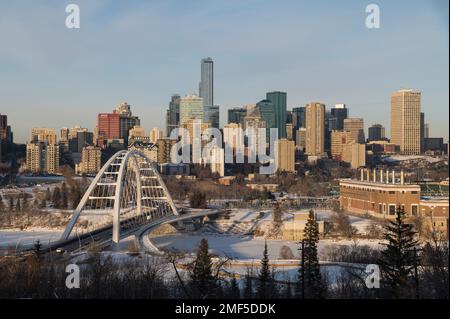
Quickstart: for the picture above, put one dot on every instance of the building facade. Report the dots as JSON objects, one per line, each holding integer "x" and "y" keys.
{"x": 279, "y": 101}
{"x": 315, "y": 129}
{"x": 285, "y": 159}
{"x": 405, "y": 121}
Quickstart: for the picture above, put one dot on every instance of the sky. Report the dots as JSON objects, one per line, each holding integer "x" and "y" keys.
{"x": 142, "y": 52}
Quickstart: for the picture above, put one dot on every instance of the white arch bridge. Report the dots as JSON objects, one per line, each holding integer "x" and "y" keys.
{"x": 126, "y": 197}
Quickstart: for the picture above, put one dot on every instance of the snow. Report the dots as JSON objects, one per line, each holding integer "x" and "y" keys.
{"x": 243, "y": 247}
{"x": 13, "y": 238}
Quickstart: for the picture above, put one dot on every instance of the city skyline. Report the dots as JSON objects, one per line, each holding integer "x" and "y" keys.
{"x": 66, "y": 73}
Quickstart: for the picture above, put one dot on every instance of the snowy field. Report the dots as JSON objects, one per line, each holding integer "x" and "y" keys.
{"x": 14, "y": 238}
{"x": 242, "y": 247}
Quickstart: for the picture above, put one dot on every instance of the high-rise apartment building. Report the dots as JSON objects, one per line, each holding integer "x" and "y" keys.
{"x": 279, "y": 101}
{"x": 173, "y": 114}
{"x": 91, "y": 160}
{"x": 285, "y": 155}
{"x": 340, "y": 112}
{"x": 356, "y": 127}
{"x": 206, "y": 86}
{"x": 155, "y": 134}
{"x": 300, "y": 139}
{"x": 315, "y": 128}
{"x": 43, "y": 134}
{"x": 376, "y": 132}
{"x": 164, "y": 148}
{"x": 405, "y": 121}
{"x": 42, "y": 157}
{"x": 191, "y": 108}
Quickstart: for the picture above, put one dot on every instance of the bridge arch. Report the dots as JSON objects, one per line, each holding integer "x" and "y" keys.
{"x": 126, "y": 193}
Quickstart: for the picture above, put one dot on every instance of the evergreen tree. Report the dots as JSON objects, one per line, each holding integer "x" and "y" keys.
{"x": 202, "y": 279}
{"x": 248, "y": 288}
{"x": 56, "y": 199}
{"x": 312, "y": 281}
{"x": 399, "y": 258}
{"x": 64, "y": 196}
{"x": 264, "y": 277}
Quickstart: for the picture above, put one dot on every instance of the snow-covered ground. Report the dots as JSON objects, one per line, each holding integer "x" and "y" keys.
{"x": 242, "y": 247}
{"x": 14, "y": 238}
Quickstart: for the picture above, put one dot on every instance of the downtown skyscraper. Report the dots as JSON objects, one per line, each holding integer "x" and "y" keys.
{"x": 279, "y": 102}
{"x": 405, "y": 121}
{"x": 206, "y": 92}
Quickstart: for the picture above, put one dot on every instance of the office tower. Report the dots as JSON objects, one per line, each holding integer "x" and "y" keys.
{"x": 354, "y": 154}
{"x": 191, "y": 108}
{"x": 300, "y": 139}
{"x": 405, "y": 121}
{"x": 108, "y": 127}
{"x": 267, "y": 113}
{"x": 84, "y": 139}
{"x": 43, "y": 134}
{"x": 289, "y": 131}
{"x": 126, "y": 120}
{"x": 5, "y": 136}
{"x": 3, "y": 127}
{"x": 90, "y": 160}
{"x": 288, "y": 117}
{"x": 212, "y": 115}
{"x": 279, "y": 102}
{"x": 155, "y": 134}
{"x": 330, "y": 125}
{"x": 195, "y": 128}
{"x": 426, "y": 130}
{"x": 338, "y": 140}
{"x": 218, "y": 161}
{"x": 298, "y": 119}
{"x": 173, "y": 114}
{"x": 136, "y": 132}
{"x": 376, "y": 133}
{"x": 285, "y": 155}
{"x": 236, "y": 115}
{"x": 356, "y": 127}
{"x": 340, "y": 112}
{"x": 42, "y": 157}
{"x": 315, "y": 128}
{"x": 422, "y": 132}
{"x": 206, "y": 86}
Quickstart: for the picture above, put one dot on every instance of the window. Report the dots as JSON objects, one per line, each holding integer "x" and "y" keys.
{"x": 380, "y": 208}
{"x": 391, "y": 209}
{"x": 391, "y": 192}
{"x": 414, "y": 210}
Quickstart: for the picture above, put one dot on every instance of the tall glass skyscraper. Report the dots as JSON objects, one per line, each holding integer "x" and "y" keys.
{"x": 278, "y": 100}
{"x": 206, "y": 86}
{"x": 340, "y": 112}
{"x": 268, "y": 114}
{"x": 236, "y": 115}
{"x": 173, "y": 114}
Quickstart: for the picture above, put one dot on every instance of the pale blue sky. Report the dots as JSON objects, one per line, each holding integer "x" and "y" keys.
{"x": 143, "y": 51}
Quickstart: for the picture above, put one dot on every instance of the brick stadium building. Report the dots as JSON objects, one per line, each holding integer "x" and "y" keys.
{"x": 379, "y": 193}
